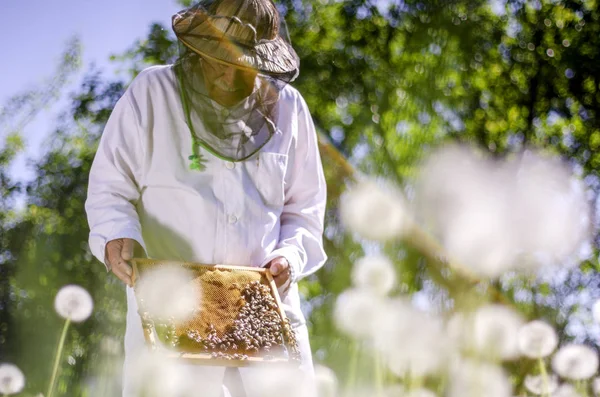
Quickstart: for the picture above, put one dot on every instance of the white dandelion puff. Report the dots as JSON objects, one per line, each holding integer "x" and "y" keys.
{"x": 461, "y": 197}
{"x": 492, "y": 330}
{"x": 537, "y": 339}
{"x": 327, "y": 383}
{"x": 374, "y": 273}
{"x": 410, "y": 341}
{"x": 169, "y": 292}
{"x": 272, "y": 381}
{"x": 472, "y": 378}
{"x": 494, "y": 217}
{"x": 536, "y": 384}
{"x": 596, "y": 311}
{"x": 110, "y": 345}
{"x": 550, "y": 210}
{"x": 596, "y": 386}
{"x": 566, "y": 390}
{"x": 495, "y": 331}
{"x": 355, "y": 311}
{"x": 155, "y": 374}
{"x": 374, "y": 212}
{"x": 576, "y": 362}
{"x": 12, "y": 380}
{"x": 74, "y": 302}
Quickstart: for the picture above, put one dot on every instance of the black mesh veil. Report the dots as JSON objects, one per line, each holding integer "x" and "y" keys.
{"x": 248, "y": 37}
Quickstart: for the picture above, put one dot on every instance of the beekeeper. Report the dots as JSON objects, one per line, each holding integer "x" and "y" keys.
{"x": 213, "y": 159}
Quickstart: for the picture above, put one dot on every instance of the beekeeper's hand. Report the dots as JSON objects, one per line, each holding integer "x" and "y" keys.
{"x": 280, "y": 269}
{"x": 118, "y": 254}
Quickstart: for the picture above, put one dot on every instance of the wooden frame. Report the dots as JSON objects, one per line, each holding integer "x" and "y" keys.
{"x": 152, "y": 339}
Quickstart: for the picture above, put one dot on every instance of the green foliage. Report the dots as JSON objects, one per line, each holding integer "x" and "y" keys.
{"x": 386, "y": 83}
{"x": 20, "y": 109}
{"x": 45, "y": 247}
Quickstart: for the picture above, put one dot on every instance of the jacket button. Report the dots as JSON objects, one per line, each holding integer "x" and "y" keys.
{"x": 232, "y": 219}
{"x": 230, "y": 165}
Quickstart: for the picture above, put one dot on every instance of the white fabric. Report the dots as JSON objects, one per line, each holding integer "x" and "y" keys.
{"x": 245, "y": 213}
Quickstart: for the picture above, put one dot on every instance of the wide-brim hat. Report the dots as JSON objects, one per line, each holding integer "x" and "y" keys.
{"x": 240, "y": 33}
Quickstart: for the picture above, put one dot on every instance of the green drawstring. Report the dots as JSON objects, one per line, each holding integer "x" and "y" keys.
{"x": 197, "y": 162}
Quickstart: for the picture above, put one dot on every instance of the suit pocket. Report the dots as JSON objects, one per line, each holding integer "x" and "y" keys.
{"x": 267, "y": 172}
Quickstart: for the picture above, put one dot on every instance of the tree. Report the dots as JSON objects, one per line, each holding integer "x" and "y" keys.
{"x": 386, "y": 83}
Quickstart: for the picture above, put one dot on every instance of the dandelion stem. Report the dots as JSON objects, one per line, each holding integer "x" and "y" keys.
{"x": 544, "y": 373}
{"x": 412, "y": 381}
{"x": 407, "y": 381}
{"x": 61, "y": 344}
{"x": 581, "y": 388}
{"x": 350, "y": 383}
{"x": 378, "y": 374}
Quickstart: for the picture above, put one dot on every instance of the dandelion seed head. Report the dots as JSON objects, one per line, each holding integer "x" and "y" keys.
{"x": 355, "y": 311}
{"x": 157, "y": 375}
{"x": 327, "y": 383}
{"x": 495, "y": 331}
{"x": 461, "y": 197}
{"x": 411, "y": 341}
{"x": 12, "y": 380}
{"x": 499, "y": 216}
{"x": 74, "y": 302}
{"x": 272, "y": 381}
{"x": 566, "y": 390}
{"x": 169, "y": 292}
{"x": 374, "y": 212}
{"x": 576, "y": 362}
{"x": 596, "y": 311}
{"x": 537, "y": 339}
{"x": 473, "y": 378}
{"x": 596, "y": 386}
{"x": 550, "y": 211}
{"x": 537, "y": 385}
{"x": 110, "y": 345}
{"x": 375, "y": 273}
{"x": 492, "y": 330}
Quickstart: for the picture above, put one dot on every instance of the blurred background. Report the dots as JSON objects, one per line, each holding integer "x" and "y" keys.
{"x": 386, "y": 81}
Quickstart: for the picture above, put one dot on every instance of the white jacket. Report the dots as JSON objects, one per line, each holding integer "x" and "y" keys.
{"x": 244, "y": 213}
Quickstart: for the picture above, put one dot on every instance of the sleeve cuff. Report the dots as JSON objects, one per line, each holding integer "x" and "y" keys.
{"x": 291, "y": 256}
{"x": 98, "y": 243}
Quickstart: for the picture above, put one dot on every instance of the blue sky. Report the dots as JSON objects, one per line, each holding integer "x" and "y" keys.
{"x": 34, "y": 34}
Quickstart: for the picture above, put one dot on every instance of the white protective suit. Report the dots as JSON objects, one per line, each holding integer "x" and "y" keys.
{"x": 244, "y": 213}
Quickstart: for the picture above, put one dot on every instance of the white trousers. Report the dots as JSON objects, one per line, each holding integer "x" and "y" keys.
{"x": 207, "y": 381}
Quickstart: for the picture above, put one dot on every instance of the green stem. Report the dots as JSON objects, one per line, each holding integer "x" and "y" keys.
{"x": 408, "y": 382}
{"x": 61, "y": 344}
{"x": 544, "y": 373}
{"x": 378, "y": 374}
{"x": 582, "y": 388}
{"x": 351, "y": 382}
{"x": 412, "y": 382}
